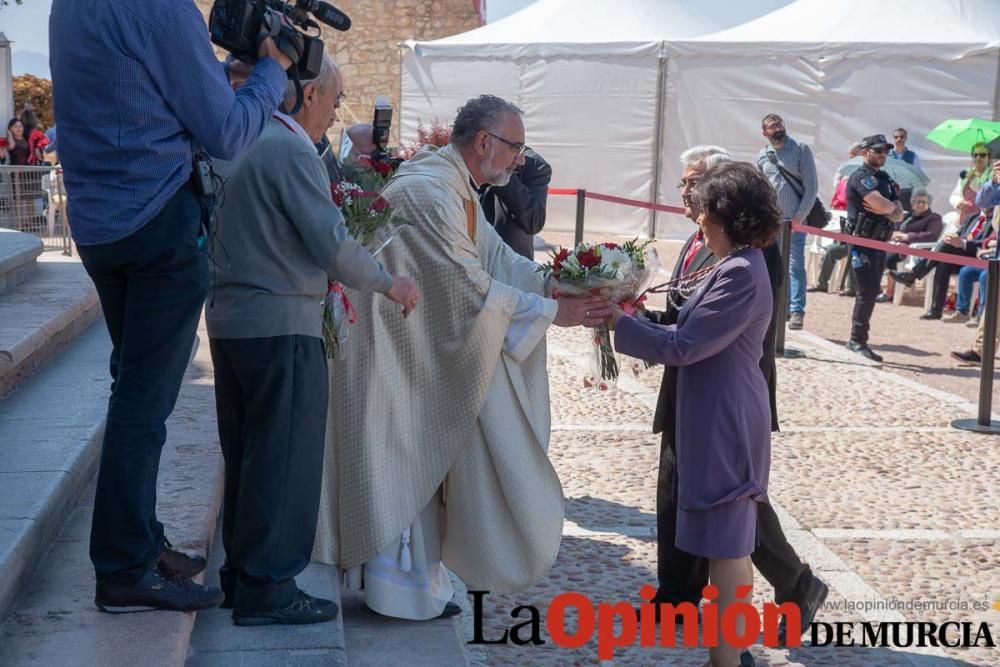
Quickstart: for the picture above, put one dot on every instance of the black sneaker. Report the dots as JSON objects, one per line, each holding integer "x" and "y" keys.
{"x": 304, "y": 609}
{"x": 159, "y": 588}
{"x": 818, "y": 288}
{"x": 863, "y": 350}
{"x": 180, "y": 563}
{"x": 931, "y": 315}
{"x": 808, "y": 606}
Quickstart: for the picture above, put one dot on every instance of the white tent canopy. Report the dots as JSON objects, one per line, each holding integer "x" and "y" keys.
{"x": 6, "y": 85}
{"x": 589, "y": 75}
{"x": 838, "y": 71}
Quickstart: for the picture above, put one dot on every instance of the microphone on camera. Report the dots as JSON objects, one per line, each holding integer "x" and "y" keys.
{"x": 332, "y": 16}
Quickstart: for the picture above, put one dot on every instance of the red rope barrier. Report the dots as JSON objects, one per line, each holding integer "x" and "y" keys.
{"x": 618, "y": 200}
{"x": 897, "y": 248}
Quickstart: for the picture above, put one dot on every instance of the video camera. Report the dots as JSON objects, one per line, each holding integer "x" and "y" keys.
{"x": 239, "y": 26}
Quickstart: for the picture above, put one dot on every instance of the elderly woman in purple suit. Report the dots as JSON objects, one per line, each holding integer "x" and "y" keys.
{"x": 723, "y": 412}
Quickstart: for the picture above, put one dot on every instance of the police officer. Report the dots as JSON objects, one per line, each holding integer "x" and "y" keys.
{"x": 872, "y": 207}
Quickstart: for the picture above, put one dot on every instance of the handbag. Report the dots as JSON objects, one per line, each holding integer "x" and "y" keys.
{"x": 818, "y": 216}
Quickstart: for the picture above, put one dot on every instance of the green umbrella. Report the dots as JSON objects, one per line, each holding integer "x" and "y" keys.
{"x": 962, "y": 135}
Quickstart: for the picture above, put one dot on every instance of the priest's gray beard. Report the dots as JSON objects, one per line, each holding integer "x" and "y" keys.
{"x": 498, "y": 178}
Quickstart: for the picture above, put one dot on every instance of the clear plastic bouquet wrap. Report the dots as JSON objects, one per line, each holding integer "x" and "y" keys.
{"x": 619, "y": 272}
{"x": 369, "y": 220}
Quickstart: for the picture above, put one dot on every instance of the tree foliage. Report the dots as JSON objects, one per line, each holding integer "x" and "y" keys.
{"x": 38, "y": 91}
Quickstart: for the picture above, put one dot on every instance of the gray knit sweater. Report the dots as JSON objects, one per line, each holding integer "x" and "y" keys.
{"x": 279, "y": 238}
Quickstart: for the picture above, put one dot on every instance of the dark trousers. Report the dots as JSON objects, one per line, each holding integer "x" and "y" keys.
{"x": 152, "y": 285}
{"x": 942, "y": 274}
{"x": 868, "y": 264}
{"x": 834, "y": 253}
{"x": 271, "y": 397}
{"x": 682, "y": 576}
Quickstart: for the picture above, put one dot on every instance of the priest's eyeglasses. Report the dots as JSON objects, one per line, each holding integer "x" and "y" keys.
{"x": 514, "y": 146}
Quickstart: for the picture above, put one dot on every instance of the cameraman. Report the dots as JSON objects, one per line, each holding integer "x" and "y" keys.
{"x": 517, "y": 210}
{"x": 137, "y": 92}
{"x": 872, "y": 207}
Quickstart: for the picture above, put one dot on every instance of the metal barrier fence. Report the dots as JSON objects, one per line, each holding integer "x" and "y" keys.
{"x": 33, "y": 200}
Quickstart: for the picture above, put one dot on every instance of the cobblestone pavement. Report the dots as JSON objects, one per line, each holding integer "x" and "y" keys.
{"x": 888, "y": 504}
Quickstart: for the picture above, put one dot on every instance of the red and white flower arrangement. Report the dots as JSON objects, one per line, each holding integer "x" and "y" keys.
{"x": 619, "y": 272}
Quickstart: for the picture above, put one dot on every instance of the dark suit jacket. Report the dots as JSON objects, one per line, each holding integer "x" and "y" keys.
{"x": 665, "y": 419}
{"x": 517, "y": 210}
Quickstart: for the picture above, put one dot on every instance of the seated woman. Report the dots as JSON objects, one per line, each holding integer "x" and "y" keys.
{"x": 723, "y": 424}
{"x": 923, "y": 226}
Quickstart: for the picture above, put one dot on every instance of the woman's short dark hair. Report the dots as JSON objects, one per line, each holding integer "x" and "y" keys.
{"x": 13, "y": 122}
{"x": 742, "y": 201}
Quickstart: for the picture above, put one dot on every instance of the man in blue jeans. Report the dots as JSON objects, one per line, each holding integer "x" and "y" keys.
{"x": 137, "y": 92}
{"x": 789, "y": 166}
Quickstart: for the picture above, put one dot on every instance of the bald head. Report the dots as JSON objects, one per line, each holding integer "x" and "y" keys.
{"x": 361, "y": 138}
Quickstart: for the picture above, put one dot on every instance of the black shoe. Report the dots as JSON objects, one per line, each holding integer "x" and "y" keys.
{"x": 180, "y": 563}
{"x": 304, "y": 609}
{"x": 968, "y": 357}
{"x": 159, "y": 588}
{"x": 450, "y": 609}
{"x": 904, "y": 277}
{"x": 883, "y": 298}
{"x": 848, "y": 292}
{"x": 931, "y": 315}
{"x": 808, "y": 606}
{"x": 863, "y": 350}
{"x": 818, "y": 288}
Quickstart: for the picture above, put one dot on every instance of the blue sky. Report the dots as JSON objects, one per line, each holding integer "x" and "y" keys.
{"x": 27, "y": 26}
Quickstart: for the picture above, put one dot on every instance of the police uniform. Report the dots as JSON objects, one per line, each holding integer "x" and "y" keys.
{"x": 868, "y": 263}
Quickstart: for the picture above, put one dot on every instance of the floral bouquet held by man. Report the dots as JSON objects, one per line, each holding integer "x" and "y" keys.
{"x": 369, "y": 220}
{"x": 619, "y": 272}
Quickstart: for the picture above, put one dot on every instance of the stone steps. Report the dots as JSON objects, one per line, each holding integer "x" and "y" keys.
{"x": 18, "y": 255}
{"x": 53, "y": 620}
{"x": 50, "y": 432}
{"x": 53, "y": 305}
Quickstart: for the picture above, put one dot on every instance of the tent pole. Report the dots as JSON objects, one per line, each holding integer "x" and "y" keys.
{"x": 996, "y": 91}
{"x": 661, "y": 81}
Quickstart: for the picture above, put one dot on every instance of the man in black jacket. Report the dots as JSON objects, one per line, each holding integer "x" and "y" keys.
{"x": 681, "y": 575}
{"x": 517, "y": 209}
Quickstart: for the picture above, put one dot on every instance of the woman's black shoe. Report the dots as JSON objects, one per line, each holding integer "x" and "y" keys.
{"x": 303, "y": 610}
{"x": 159, "y": 588}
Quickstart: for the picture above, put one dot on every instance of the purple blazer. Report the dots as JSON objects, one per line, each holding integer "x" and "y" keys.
{"x": 723, "y": 425}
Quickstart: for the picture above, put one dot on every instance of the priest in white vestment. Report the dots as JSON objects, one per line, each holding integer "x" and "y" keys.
{"x": 438, "y": 429}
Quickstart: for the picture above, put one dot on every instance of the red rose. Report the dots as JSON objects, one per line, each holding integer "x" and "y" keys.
{"x": 559, "y": 259}
{"x": 588, "y": 258}
{"x": 338, "y": 196}
{"x": 382, "y": 168}
{"x": 378, "y": 205}
{"x": 611, "y": 246}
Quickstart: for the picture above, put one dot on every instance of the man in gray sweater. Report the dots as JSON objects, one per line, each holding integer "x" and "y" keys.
{"x": 280, "y": 238}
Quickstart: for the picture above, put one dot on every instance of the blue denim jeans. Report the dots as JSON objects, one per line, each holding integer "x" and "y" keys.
{"x": 152, "y": 285}
{"x": 968, "y": 276}
{"x": 797, "y": 274}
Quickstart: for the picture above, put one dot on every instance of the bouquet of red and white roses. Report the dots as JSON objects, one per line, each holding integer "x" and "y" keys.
{"x": 619, "y": 272}
{"x": 369, "y": 220}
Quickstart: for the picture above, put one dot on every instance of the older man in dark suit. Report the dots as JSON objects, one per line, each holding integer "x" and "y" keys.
{"x": 681, "y": 575}
{"x": 517, "y": 210}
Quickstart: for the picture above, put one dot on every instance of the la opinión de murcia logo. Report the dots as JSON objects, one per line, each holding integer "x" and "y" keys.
{"x": 740, "y": 625}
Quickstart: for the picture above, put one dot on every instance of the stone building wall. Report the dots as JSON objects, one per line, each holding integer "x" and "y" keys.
{"x": 368, "y": 54}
